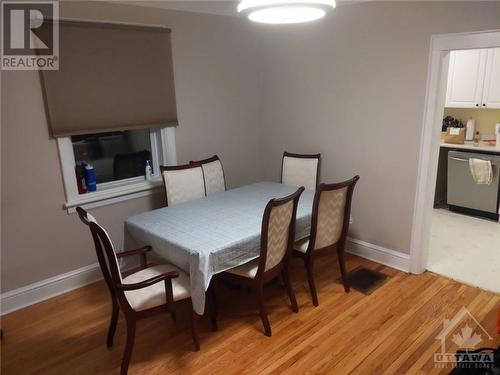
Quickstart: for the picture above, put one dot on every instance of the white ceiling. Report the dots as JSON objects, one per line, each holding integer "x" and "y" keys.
{"x": 225, "y": 7}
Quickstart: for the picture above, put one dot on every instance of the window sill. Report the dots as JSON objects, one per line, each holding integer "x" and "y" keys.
{"x": 114, "y": 195}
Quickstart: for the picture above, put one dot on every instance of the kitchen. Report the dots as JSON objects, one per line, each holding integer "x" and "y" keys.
{"x": 465, "y": 229}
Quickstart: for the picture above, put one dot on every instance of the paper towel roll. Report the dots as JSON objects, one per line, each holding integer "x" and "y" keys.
{"x": 471, "y": 125}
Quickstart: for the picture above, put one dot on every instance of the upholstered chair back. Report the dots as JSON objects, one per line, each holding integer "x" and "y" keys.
{"x": 278, "y": 233}
{"x": 278, "y": 228}
{"x": 331, "y": 212}
{"x": 105, "y": 250}
{"x": 300, "y": 170}
{"x": 330, "y": 217}
{"x": 213, "y": 173}
{"x": 183, "y": 183}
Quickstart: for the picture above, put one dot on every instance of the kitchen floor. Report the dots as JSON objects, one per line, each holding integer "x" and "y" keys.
{"x": 466, "y": 249}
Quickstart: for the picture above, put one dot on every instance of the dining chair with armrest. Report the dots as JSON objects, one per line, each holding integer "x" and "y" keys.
{"x": 150, "y": 291}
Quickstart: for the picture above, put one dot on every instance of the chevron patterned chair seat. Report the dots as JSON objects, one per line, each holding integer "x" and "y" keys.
{"x": 329, "y": 227}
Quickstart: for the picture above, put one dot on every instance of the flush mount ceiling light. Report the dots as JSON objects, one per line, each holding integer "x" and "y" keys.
{"x": 285, "y": 11}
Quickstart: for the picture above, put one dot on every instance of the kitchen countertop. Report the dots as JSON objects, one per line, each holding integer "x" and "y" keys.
{"x": 470, "y": 146}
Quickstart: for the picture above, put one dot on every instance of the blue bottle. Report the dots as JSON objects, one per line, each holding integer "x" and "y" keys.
{"x": 90, "y": 178}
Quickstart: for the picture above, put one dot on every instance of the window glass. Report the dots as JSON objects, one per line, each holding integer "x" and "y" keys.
{"x": 115, "y": 155}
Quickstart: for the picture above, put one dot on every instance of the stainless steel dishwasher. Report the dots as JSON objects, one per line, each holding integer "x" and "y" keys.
{"x": 464, "y": 195}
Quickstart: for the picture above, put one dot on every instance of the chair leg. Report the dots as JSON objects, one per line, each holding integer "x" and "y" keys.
{"x": 170, "y": 299}
{"x": 194, "y": 330}
{"x": 112, "y": 323}
{"x": 213, "y": 306}
{"x": 340, "y": 255}
{"x": 129, "y": 345}
{"x": 279, "y": 281}
{"x": 171, "y": 308}
{"x": 289, "y": 289}
{"x": 262, "y": 310}
{"x": 310, "y": 278}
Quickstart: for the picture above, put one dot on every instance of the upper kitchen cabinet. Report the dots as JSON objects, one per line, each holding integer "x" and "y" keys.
{"x": 466, "y": 78}
{"x": 491, "y": 90}
{"x": 474, "y": 79}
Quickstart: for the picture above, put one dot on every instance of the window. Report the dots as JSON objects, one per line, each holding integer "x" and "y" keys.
{"x": 119, "y": 161}
{"x": 114, "y": 156}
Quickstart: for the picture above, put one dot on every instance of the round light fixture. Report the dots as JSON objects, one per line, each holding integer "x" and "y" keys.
{"x": 284, "y": 11}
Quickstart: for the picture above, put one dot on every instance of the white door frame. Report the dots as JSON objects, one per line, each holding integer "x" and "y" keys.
{"x": 430, "y": 139}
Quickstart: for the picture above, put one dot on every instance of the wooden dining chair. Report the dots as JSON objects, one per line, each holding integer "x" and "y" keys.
{"x": 150, "y": 291}
{"x": 213, "y": 172}
{"x": 277, "y": 235}
{"x": 329, "y": 226}
{"x": 300, "y": 170}
{"x": 183, "y": 183}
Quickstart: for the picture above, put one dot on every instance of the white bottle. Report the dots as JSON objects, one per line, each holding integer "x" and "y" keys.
{"x": 149, "y": 171}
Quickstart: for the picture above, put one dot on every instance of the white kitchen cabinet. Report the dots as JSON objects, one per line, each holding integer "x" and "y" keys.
{"x": 474, "y": 79}
{"x": 491, "y": 90}
{"x": 466, "y": 78}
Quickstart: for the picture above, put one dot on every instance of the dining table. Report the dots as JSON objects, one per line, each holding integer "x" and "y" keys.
{"x": 209, "y": 235}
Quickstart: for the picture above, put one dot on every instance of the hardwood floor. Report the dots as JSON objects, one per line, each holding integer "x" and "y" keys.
{"x": 391, "y": 331}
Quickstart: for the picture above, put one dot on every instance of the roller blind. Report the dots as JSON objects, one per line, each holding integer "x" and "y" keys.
{"x": 111, "y": 77}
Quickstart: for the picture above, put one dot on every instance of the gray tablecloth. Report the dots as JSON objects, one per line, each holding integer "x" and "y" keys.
{"x": 212, "y": 234}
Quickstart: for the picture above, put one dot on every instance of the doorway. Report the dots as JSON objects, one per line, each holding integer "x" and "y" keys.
{"x": 428, "y": 224}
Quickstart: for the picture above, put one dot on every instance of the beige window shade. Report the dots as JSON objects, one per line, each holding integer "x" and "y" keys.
{"x": 110, "y": 77}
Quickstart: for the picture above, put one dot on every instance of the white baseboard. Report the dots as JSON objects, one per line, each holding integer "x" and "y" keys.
{"x": 379, "y": 254}
{"x": 48, "y": 288}
{"x": 28, "y": 295}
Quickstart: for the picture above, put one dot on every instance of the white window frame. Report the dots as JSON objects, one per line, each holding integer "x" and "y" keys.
{"x": 163, "y": 152}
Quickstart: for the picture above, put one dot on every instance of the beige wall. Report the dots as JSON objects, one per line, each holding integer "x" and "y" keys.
{"x": 352, "y": 87}
{"x": 217, "y": 72}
